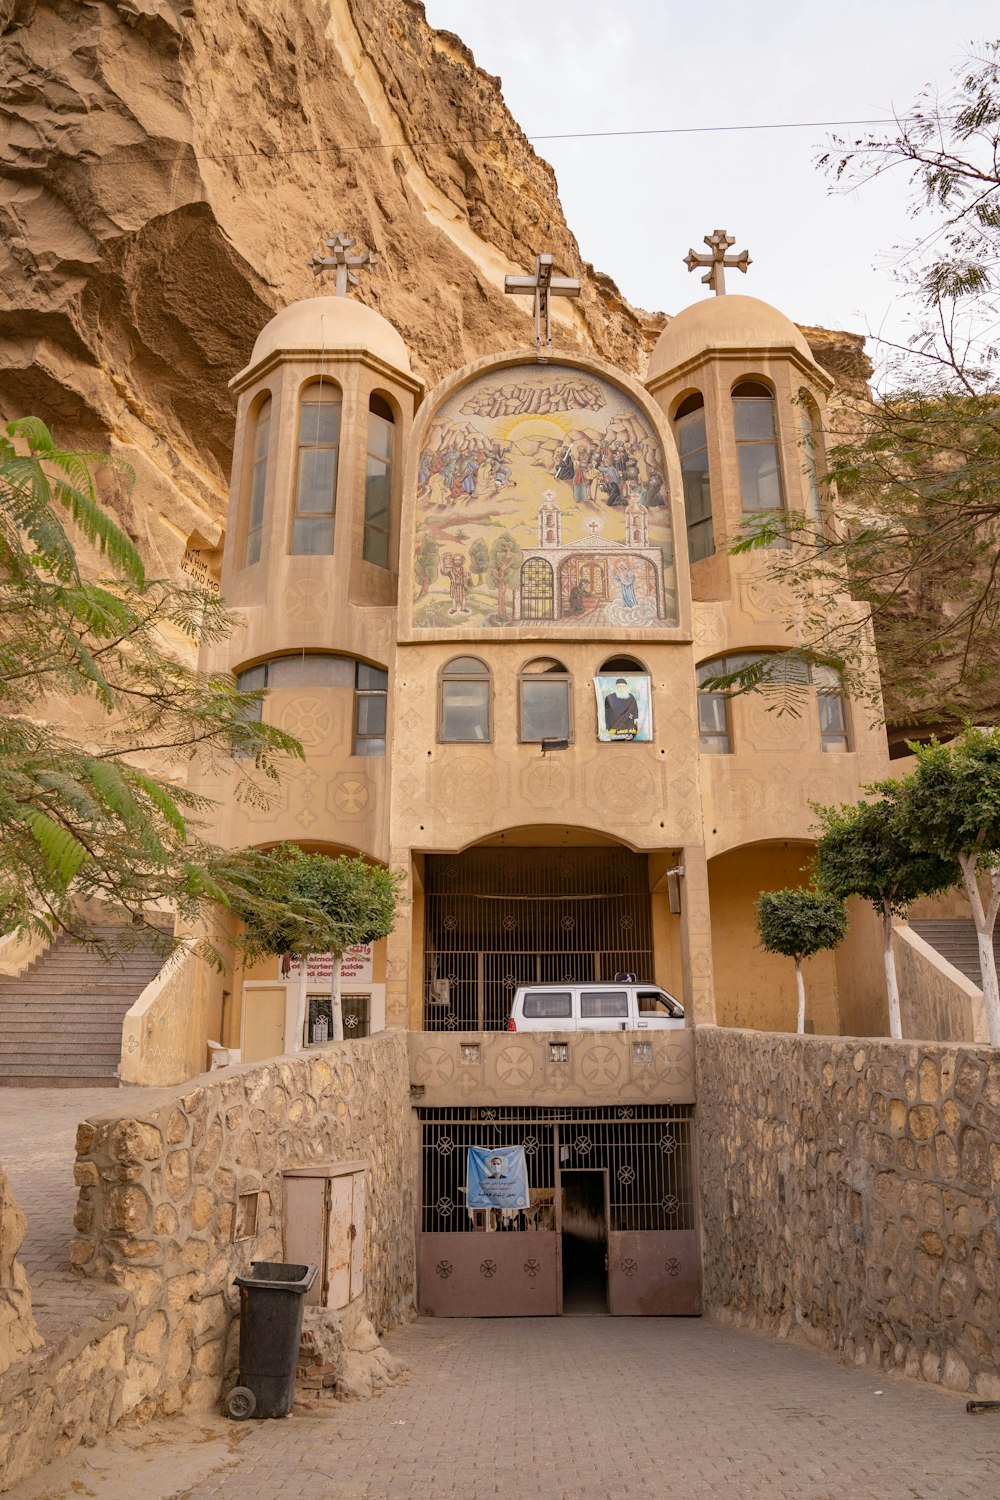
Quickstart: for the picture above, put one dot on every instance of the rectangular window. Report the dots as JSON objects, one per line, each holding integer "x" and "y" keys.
{"x": 258, "y": 483}
{"x": 253, "y": 680}
{"x": 698, "y": 506}
{"x": 713, "y": 723}
{"x": 548, "y": 1005}
{"x": 316, "y": 478}
{"x": 371, "y": 688}
{"x": 832, "y": 708}
{"x": 378, "y": 491}
{"x": 465, "y": 710}
{"x": 657, "y": 1003}
{"x": 544, "y": 709}
{"x": 604, "y": 1005}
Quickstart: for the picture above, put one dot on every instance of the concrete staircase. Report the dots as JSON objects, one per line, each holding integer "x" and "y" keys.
{"x": 61, "y": 1020}
{"x": 955, "y": 939}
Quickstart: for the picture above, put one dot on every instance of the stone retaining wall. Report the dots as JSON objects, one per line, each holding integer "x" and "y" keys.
{"x": 158, "y": 1216}
{"x": 848, "y": 1193}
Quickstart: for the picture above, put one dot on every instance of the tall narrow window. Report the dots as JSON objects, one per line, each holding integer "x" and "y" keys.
{"x": 833, "y": 734}
{"x": 252, "y": 680}
{"x": 371, "y": 687}
{"x": 713, "y": 712}
{"x": 757, "y": 446}
{"x": 464, "y": 706}
{"x": 316, "y": 470}
{"x": 378, "y": 482}
{"x": 257, "y": 486}
{"x": 810, "y": 442}
{"x": 692, "y": 443}
{"x": 544, "y": 691}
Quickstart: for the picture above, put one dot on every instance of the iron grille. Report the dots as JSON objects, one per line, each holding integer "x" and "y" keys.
{"x": 644, "y": 1148}
{"x": 499, "y": 918}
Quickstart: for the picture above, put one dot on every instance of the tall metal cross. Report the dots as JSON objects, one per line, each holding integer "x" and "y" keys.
{"x": 718, "y": 242}
{"x": 344, "y": 264}
{"x": 542, "y": 286}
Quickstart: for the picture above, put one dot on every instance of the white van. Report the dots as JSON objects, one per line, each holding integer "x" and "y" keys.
{"x": 594, "y": 1007}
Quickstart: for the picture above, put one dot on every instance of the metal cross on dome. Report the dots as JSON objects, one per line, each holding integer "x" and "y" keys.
{"x": 542, "y": 286}
{"x": 718, "y": 242}
{"x": 344, "y": 264}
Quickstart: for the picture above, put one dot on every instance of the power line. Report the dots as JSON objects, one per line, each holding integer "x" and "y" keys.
{"x": 569, "y": 135}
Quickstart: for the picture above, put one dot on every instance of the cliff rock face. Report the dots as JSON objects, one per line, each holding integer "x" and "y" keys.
{"x": 167, "y": 167}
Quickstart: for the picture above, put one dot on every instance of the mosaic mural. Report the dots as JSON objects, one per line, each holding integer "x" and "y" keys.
{"x": 542, "y": 498}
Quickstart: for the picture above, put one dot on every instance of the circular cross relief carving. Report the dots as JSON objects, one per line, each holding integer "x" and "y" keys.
{"x": 515, "y": 1065}
{"x": 351, "y": 796}
{"x": 434, "y": 1065}
{"x": 444, "y": 1269}
{"x": 309, "y": 719}
{"x": 601, "y": 1065}
{"x": 626, "y": 790}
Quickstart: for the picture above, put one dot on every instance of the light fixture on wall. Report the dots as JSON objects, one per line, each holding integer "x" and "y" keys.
{"x": 553, "y": 744}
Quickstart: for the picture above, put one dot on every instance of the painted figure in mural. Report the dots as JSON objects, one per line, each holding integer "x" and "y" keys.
{"x": 576, "y": 600}
{"x": 626, "y": 582}
{"x": 621, "y": 711}
{"x": 580, "y": 478}
{"x": 502, "y": 472}
{"x": 564, "y": 465}
{"x": 653, "y": 487}
{"x": 453, "y": 567}
{"x": 612, "y": 486}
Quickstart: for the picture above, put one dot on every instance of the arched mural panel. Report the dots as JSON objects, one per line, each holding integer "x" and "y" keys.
{"x": 542, "y": 464}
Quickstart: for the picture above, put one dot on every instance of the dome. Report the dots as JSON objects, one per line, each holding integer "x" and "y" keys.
{"x": 331, "y": 323}
{"x": 727, "y": 322}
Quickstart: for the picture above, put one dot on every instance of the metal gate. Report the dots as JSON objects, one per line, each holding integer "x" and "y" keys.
{"x": 499, "y": 918}
{"x": 473, "y": 1263}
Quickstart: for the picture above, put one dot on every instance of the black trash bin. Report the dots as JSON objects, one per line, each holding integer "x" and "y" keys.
{"x": 271, "y": 1306}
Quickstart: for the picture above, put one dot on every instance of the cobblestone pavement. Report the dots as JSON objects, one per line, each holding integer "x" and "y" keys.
{"x": 38, "y": 1149}
{"x": 573, "y": 1409}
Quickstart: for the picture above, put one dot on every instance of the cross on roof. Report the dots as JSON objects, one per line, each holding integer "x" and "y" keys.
{"x": 542, "y": 286}
{"x": 344, "y": 264}
{"x": 718, "y": 242}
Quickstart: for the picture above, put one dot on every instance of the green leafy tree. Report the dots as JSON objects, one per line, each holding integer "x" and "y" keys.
{"x": 798, "y": 924}
{"x": 425, "y": 563}
{"x": 99, "y": 717}
{"x": 916, "y": 472}
{"x": 505, "y": 563}
{"x": 865, "y": 851}
{"x": 479, "y": 558}
{"x": 299, "y": 904}
{"x": 951, "y": 806}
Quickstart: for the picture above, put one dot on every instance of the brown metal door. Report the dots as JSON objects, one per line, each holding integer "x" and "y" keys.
{"x": 654, "y": 1275}
{"x": 497, "y": 1275}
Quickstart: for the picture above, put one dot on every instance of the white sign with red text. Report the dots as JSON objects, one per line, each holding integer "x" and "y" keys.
{"x": 355, "y": 966}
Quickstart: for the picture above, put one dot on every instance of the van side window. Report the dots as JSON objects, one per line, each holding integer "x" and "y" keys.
{"x": 546, "y": 1005}
{"x": 656, "y": 1003}
{"x": 604, "y": 1005}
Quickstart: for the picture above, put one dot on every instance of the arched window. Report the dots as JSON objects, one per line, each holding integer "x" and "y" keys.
{"x": 757, "y": 446}
{"x": 464, "y": 701}
{"x": 537, "y": 590}
{"x": 316, "y": 470}
{"x": 692, "y": 444}
{"x": 544, "y": 701}
{"x": 812, "y": 454}
{"x": 832, "y": 706}
{"x": 378, "y": 482}
{"x": 257, "y": 482}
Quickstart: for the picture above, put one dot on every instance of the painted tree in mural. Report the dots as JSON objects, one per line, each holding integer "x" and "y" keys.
{"x": 951, "y": 806}
{"x": 479, "y": 558}
{"x": 865, "y": 851}
{"x": 310, "y": 903}
{"x": 425, "y": 563}
{"x": 505, "y": 563}
{"x": 799, "y": 924}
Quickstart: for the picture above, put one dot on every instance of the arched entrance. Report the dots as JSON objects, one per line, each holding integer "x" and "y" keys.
{"x": 503, "y": 914}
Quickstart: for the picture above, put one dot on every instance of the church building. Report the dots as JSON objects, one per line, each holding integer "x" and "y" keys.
{"x": 492, "y": 613}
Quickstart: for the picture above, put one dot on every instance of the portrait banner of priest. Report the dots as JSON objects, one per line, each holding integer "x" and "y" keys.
{"x": 624, "y": 708}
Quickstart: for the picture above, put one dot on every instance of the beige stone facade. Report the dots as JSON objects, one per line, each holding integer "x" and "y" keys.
{"x": 574, "y": 471}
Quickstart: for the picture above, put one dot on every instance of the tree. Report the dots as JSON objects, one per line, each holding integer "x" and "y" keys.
{"x": 505, "y": 559}
{"x": 917, "y": 471}
{"x": 798, "y": 924}
{"x": 865, "y": 851}
{"x": 104, "y": 814}
{"x": 479, "y": 558}
{"x": 301, "y": 904}
{"x": 425, "y": 563}
{"x": 951, "y": 806}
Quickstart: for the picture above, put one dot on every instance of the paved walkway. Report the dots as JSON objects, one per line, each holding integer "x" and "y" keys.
{"x": 572, "y": 1409}
{"x": 37, "y": 1150}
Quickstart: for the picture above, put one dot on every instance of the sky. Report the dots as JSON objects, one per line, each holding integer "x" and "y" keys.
{"x": 637, "y": 204}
